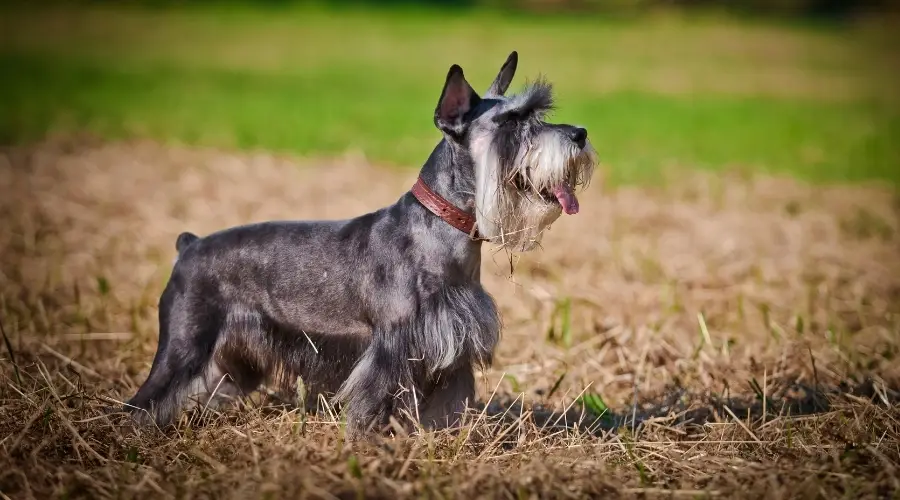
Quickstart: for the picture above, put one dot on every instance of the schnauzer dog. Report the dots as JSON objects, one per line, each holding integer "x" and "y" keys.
{"x": 384, "y": 311}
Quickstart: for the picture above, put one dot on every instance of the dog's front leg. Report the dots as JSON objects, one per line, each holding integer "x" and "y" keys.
{"x": 453, "y": 390}
{"x": 384, "y": 383}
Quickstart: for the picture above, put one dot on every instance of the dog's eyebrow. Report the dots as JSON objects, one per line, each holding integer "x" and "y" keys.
{"x": 537, "y": 97}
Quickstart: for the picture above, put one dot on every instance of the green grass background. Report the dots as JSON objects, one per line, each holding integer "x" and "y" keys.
{"x": 656, "y": 91}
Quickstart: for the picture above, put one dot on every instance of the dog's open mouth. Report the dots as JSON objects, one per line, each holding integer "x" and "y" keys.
{"x": 564, "y": 195}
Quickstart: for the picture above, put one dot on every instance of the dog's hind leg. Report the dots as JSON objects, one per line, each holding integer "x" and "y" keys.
{"x": 188, "y": 329}
{"x": 452, "y": 392}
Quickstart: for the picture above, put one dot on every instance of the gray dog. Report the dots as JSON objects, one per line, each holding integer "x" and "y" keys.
{"x": 384, "y": 311}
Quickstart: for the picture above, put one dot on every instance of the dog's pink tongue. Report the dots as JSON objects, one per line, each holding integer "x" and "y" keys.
{"x": 566, "y": 198}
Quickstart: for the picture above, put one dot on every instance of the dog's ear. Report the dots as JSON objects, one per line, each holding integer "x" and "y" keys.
{"x": 505, "y": 76}
{"x": 457, "y": 99}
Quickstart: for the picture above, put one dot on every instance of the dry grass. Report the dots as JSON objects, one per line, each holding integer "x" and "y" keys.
{"x": 743, "y": 331}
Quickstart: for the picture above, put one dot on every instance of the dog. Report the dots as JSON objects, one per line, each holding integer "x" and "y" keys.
{"x": 384, "y": 313}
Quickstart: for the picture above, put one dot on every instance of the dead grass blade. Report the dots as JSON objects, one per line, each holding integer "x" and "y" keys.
{"x": 80, "y": 368}
{"x": 12, "y": 355}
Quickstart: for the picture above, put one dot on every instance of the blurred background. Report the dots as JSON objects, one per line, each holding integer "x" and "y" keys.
{"x": 798, "y": 87}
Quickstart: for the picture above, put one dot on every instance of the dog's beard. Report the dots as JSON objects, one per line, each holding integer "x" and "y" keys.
{"x": 514, "y": 215}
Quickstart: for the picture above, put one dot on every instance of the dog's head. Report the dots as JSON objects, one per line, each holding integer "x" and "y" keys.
{"x": 526, "y": 169}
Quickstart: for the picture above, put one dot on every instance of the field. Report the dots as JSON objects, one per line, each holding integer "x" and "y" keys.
{"x": 722, "y": 319}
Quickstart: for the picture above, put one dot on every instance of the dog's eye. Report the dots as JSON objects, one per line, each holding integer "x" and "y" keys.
{"x": 507, "y": 117}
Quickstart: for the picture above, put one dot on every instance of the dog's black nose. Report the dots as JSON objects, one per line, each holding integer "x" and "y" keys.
{"x": 578, "y": 136}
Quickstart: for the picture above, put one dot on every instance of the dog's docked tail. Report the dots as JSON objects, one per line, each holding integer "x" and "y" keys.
{"x": 185, "y": 239}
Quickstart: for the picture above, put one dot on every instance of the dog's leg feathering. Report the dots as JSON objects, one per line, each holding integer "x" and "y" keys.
{"x": 424, "y": 366}
{"x": 381, "y": 385}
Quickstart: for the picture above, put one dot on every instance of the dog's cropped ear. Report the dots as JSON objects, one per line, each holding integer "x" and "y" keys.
{"x": 457, "y": 99}
{"x": 505, "y": 76}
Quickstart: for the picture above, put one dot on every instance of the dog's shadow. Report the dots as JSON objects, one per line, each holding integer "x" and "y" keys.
{"x": 679, "y": 407}
{"x": 675, "y": 407}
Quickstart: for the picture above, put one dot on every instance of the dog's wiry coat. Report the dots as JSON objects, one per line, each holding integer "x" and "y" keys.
{"x": 384, "y": 311}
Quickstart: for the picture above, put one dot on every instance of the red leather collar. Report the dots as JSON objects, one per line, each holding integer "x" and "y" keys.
{"x": 447, "y": 211}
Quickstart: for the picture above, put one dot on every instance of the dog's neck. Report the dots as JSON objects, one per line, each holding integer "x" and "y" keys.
{"x": 450, "y": 173}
